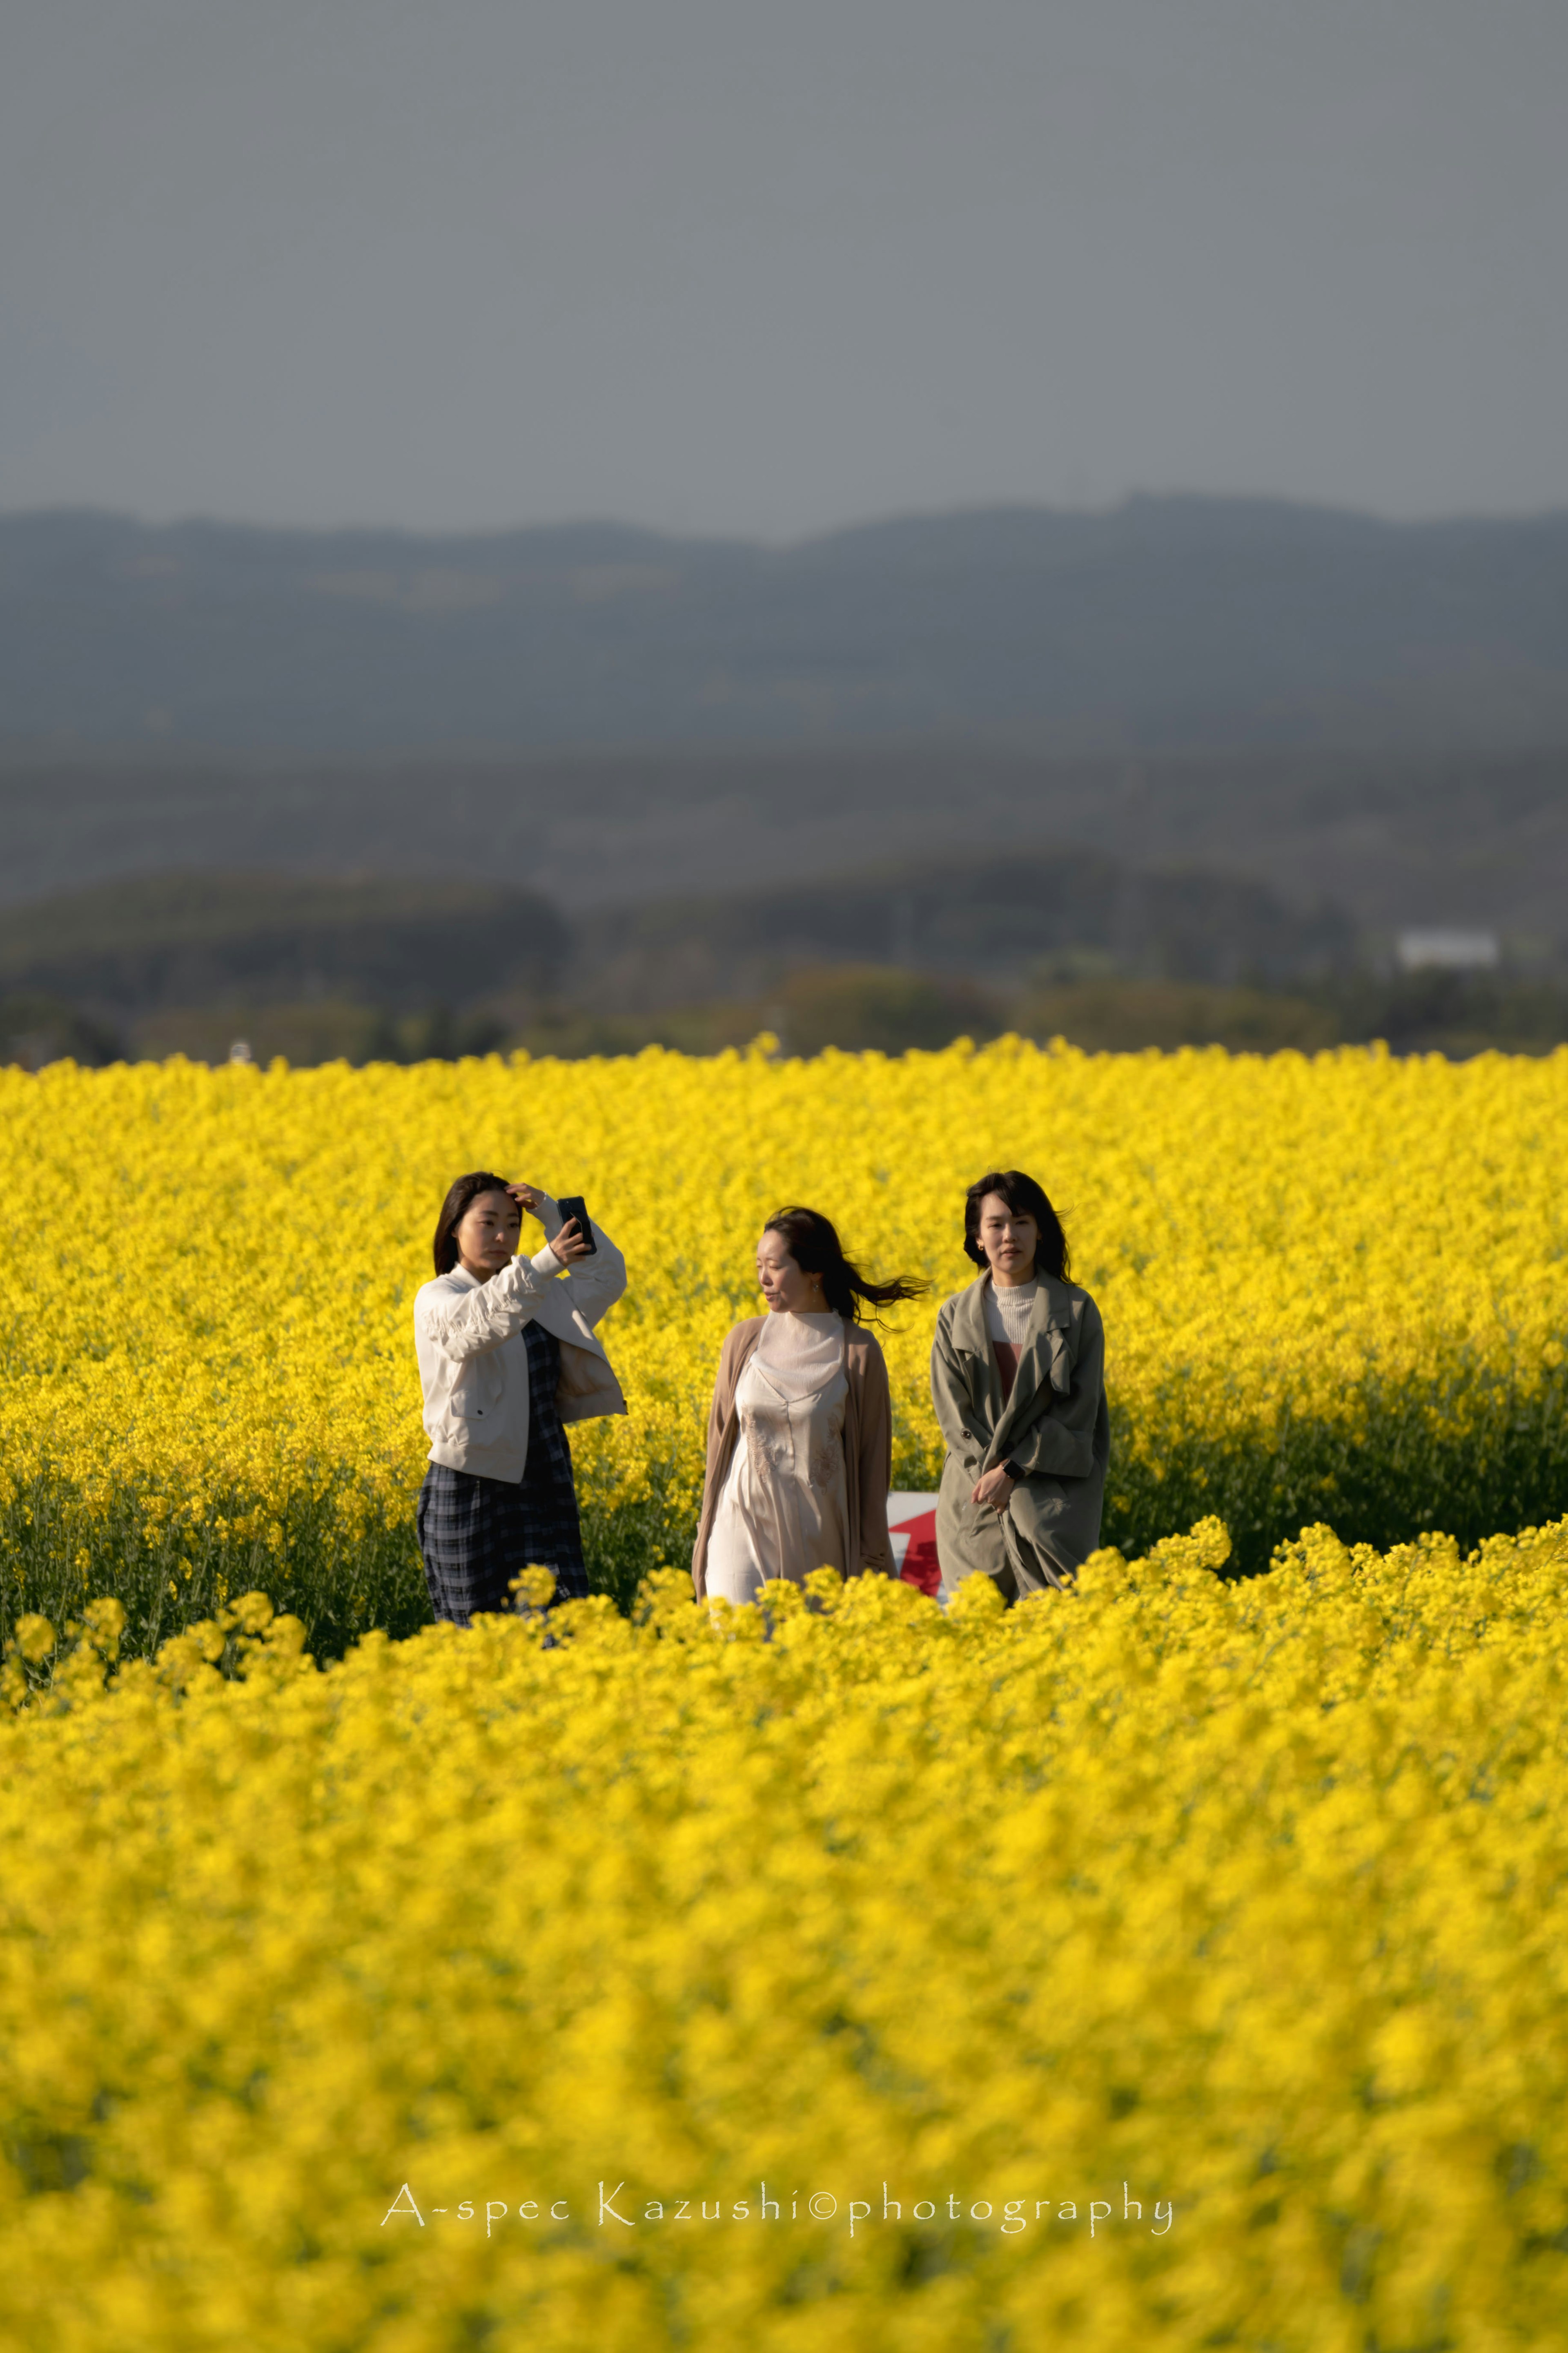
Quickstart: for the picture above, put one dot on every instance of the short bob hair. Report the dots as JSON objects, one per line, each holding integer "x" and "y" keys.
{"x": 463, "y": 1193}
{"x": 1025, "y": 1199}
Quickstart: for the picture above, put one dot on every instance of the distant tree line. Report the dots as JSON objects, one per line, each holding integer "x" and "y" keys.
{"x": 1076, "y": 942}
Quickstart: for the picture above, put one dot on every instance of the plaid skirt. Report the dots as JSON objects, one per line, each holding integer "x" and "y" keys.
{"x": 476, "y": 1535}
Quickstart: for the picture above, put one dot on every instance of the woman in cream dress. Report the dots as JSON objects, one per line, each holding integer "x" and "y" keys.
{"x": 800, "y": 1436}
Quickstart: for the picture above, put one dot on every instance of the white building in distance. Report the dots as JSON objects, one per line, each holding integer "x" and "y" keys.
{"x": 1448, "y": 951}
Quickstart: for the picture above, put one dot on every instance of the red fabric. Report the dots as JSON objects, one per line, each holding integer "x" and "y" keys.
{"x": 921, "y": 1565}
{"x": 1007, "y": 1365}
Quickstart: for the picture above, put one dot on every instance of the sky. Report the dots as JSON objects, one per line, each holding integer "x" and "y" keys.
{"x": 769, "y": 266}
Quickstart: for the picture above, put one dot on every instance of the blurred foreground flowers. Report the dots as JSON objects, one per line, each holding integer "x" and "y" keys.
{"x": 332, "y": 2004}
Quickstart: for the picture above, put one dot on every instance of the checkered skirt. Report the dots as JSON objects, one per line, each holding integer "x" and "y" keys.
{"x": 476, "y": 1535}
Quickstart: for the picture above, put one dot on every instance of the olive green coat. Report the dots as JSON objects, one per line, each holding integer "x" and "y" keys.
{"x": 1056, "y": 1427}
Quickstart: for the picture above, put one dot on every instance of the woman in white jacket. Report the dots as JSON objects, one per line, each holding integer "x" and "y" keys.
{"x": 507, "y": 1355}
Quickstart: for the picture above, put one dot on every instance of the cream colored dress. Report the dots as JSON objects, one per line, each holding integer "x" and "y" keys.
{"x": 783, "y": 1509}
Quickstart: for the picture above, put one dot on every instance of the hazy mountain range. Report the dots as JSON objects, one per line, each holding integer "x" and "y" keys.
{"x": 1392, "y": 840}
{"x": 1166, "y": 625}
{"x": 1137, "y": 775}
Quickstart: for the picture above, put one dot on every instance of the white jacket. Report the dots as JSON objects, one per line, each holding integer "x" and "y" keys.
{"x": 473, "y": 1359}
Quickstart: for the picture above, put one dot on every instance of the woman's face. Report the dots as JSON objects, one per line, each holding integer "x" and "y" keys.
{"x": 487, "y": 1234}
{"x": 787, "y": 1291}
{"x": 1008, "y": 1239}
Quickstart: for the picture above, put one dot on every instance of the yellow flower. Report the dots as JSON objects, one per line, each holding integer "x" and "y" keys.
{"x": 786, "y": 1974}
{"x": 1336, "y": 1284}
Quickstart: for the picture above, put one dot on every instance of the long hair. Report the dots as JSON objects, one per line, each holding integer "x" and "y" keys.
{"x": 1025, "y": 1199}
{"x": 815, "y": 1246}
{"x": 455, "y": 1207}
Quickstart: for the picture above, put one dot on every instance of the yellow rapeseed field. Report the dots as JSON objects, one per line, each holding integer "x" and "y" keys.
{"x": 1174, "y": 1964}
{"x": 1177, "y": 1964}
{"x": 1334, "y": 1288}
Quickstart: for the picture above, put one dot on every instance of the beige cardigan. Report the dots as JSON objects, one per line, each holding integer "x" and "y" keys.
{"x": 867, "y": 1446}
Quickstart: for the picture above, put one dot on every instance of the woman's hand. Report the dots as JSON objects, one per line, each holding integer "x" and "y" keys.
{"x": 569, "y": 1243}
{"x": 995, "y": 1488}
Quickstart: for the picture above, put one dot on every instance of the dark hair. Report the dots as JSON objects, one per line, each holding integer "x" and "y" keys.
{"x": 464, "y": 1191}
{"x": 1025, "y": 1199}
{"x": 815, "y": 1246}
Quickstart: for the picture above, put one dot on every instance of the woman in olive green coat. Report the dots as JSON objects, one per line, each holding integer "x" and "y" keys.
{"x": 1017, "y": 1377}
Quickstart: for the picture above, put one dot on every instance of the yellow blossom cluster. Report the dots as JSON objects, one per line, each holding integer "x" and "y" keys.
{"x": 1179, "y": 1963}
{"x": 1333, "y": 1288}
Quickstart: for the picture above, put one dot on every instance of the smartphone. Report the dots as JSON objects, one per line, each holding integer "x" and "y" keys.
{"x": 572, "y": 1205}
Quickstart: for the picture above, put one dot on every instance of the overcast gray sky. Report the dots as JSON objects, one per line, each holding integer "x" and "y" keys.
{"x": 767, "y": 266}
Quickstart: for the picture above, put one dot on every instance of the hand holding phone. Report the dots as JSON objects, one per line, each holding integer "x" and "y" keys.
{"x": 574, "y": 1209}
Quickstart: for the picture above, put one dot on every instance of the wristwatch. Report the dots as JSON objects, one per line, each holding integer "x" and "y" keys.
{"x": 1013, "y": 1472}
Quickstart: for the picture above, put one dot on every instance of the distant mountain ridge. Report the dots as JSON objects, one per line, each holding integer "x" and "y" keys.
{"x": 1166, "y": 625}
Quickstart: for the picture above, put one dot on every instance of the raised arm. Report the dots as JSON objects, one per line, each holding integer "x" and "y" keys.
{"x": 597, "y": 1282}
{"x": 465, "y": 1323}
